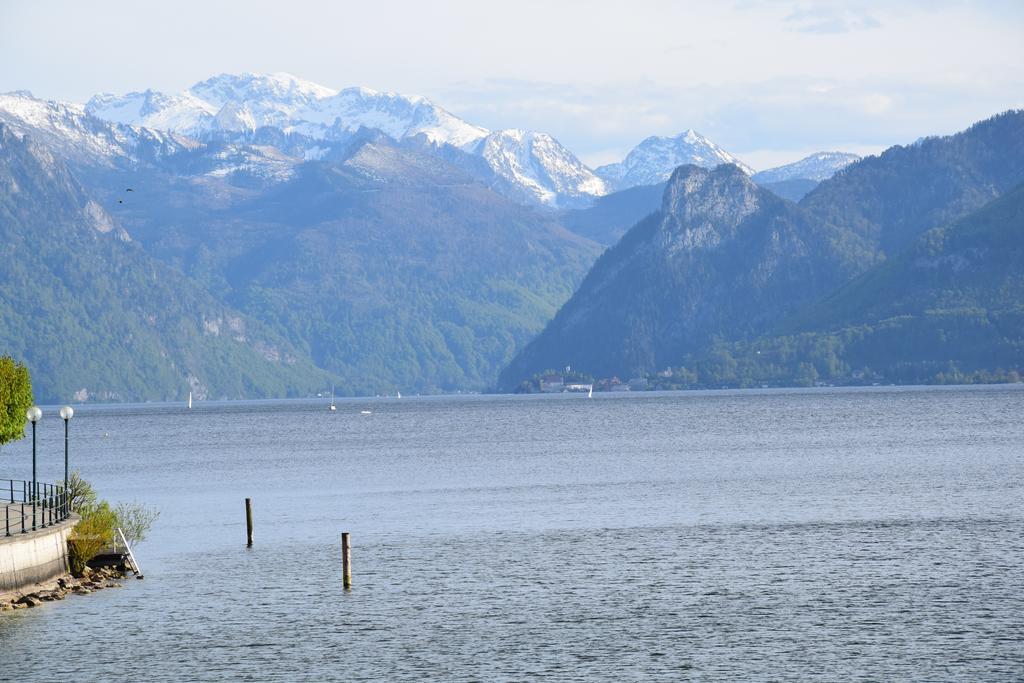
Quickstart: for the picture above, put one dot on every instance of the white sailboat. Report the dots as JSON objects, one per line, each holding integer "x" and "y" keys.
{"x": 332, "y": 407}
{"x": 190, "y": 400}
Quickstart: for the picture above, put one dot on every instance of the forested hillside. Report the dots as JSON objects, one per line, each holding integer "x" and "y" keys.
{"x": 94, "y": 317}
{"x": 699, "y": 285}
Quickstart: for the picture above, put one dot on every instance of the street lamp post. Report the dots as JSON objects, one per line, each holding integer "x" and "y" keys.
{"x": 33, "y": 414}
{"x": 67, "y": 412}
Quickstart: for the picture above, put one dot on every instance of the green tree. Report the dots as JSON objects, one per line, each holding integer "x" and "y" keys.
{"x": 135, "y": 520}
{"x": 15, "y": 399}
{"x": 81, "y": 494}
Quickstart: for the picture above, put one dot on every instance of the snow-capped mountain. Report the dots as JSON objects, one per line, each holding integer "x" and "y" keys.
{"x": 530, "y": 166}
{"x": 818, "y": 166}
{"x": 653, "y": 160}
{"x": 83, "y": 140}
{"x": 240, "y": 103}
{"x": 184, "y": 114}
{"x": 67, "y": 130}
{"x": 539, "y": 168}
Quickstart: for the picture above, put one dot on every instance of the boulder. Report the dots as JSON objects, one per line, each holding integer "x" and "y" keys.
{"x": 30, "y": 600}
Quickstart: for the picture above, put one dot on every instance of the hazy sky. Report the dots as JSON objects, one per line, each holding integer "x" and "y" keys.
{"x": 767, "y": 80}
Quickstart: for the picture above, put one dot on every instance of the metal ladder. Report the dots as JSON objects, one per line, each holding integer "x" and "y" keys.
{"x": 132, "y": 563}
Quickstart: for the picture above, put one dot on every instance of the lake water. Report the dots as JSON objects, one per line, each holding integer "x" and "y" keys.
{"x": 872, "y": 534}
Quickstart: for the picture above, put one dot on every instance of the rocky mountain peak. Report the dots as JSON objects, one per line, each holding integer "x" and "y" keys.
{"x": 702, "y": 207}
{"x": 543, "y": 170}
{"x": 281, "y": 87}
{"x": 653, "y": 160}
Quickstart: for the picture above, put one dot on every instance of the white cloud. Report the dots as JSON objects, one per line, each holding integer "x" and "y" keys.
{"x": 876, "y": 103}
{"x": 830, "y": 19}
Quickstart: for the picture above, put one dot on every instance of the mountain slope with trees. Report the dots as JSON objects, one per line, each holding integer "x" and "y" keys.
{"x": 613, "y": 214}
{"x": 723, "y": 257}
{"x": 93, "y": 316}
{"x": 890, "y": 199}
{"x": 948, "y": 309}
{"x": 725, "y": 268}
{"x": 388, "y": 266}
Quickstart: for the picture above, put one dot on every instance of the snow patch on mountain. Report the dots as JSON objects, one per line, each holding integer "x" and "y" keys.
{"x": 182, "y": 113}
{"x": 259, "y": 161}
{"x": 818, "y": 166}
{"x": 68, "y": 130}
{"x": 653, "y": 160}
{"x": 235, "y": 118}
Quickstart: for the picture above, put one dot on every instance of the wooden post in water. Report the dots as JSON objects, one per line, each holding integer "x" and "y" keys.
{"x": 346, "y": 561}
{"x": 248, "y": 522}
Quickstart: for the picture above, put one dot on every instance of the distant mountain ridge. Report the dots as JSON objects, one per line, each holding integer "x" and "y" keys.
{"x": 385, "y": 264}
{"x": 376, "y": 253}
{"x": 794, "y": 181}
{"x": 526, "y": 165}
{"x": 270, "y": 123}
{"x": 724, "y": 262}
{"x": 289, "y": 103}
{"x": 654, "y": 160}
{"x": 723, "y": 257}
{"x": 948, "y": 309}
{"x": 818, "y": 166}
{"x": 305, "y": 121}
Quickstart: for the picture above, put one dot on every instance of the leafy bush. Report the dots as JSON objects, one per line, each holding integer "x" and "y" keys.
{"x": 94, "y": 532}
{"x": 98, "y": 526}
{"x": 135, "y": 520}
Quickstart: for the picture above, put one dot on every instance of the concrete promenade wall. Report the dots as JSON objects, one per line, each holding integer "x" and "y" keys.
{"x": 35, "y": 557}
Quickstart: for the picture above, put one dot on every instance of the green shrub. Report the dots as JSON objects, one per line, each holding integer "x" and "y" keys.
{"x": 135, "y": 519}
{"x": 99, "y": 524}
{"x": 94, "y": 532}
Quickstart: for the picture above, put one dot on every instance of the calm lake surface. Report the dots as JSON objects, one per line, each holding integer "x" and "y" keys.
{"x": 871, "y": 534}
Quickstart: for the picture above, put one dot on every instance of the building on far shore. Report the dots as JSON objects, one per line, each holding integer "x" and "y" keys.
{"x": 552, "y": 384}
{"x": 638, "y": 384}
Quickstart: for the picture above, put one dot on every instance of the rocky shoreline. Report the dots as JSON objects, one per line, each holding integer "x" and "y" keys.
{"x": 90, "y": 581}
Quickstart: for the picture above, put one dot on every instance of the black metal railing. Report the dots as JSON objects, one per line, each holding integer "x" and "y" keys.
{"x": 27, "y": 508}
